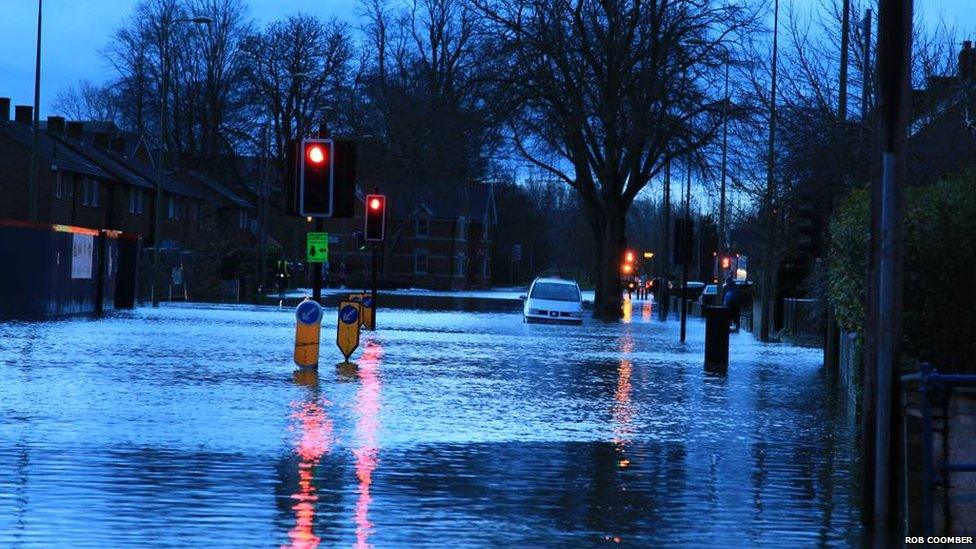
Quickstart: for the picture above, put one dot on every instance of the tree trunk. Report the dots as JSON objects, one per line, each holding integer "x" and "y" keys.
{"x": 609, "y": 254}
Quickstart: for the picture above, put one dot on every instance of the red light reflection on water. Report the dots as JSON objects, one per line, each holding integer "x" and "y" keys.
{"x": 623, "y": 410}
{"x": 314, "y": 439}
{"x": 367, "y": 408}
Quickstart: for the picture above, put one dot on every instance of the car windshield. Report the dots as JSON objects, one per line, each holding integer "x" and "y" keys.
{"x": 555, "y": 291}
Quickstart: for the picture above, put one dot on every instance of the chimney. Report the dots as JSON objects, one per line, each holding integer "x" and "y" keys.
{"x": 967, "y": 61}
{"x": 4, "y": 108}
{"x": 118, "y": 145}
{"x": 55, "y": 124}
{"x": 24, "y": 113}
{"x": 101, "y": 140}
{"x": 75, "y": 130}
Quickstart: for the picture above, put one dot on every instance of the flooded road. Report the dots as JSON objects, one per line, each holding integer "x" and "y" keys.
{"x": 187, "y": 426}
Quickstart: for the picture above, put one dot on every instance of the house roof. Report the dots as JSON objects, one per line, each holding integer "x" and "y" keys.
{"x": 51, "y": 150}
{"x": 224, "y": 196}
{"x": 123, "y": 166}
{"x": 475, "y": 201}
{"x": 106, "y": 160}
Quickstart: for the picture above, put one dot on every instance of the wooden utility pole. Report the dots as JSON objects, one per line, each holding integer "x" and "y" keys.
{"x": 885, "y": 272}
{"x": 665, "y": 263}
{"x": 845, "y": 38}
{"x": 866, "y": 76}
{"x": 766, "y": 291}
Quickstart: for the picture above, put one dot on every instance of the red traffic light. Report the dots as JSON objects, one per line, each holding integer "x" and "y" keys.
{"x": 315, "y": 153}
{"x": 375, "y": 229}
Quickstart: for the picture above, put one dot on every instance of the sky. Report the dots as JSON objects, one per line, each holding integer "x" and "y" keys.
{"x": 75, "y": 31}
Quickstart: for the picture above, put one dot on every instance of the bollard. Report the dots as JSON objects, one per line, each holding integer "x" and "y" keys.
{"x": 308, "y": 326}
{"x": 717, "y": 338}
{"x": 347, "y": 331}
{"x": 368, "y": 320}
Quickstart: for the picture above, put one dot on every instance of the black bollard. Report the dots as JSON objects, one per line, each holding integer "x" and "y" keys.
{"x": 717, "y": 338}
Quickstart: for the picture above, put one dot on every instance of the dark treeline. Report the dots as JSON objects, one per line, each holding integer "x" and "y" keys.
{"x": 597, "y": 97}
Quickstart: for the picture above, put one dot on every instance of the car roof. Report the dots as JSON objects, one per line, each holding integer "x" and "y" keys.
{"x": 555, "y": 280}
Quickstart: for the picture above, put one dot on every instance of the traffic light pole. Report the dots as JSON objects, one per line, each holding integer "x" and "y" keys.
{"x": 373, "y": 291}
{"x": 317, "y": 267}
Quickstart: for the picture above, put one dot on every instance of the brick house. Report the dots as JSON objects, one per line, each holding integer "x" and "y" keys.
{"x": 436, "y": 244}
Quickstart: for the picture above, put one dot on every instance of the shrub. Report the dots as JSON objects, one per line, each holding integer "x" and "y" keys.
{"x": 939, "y": 324}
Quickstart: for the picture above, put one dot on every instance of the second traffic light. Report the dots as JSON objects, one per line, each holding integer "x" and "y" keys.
{"x": 375, "y": 230}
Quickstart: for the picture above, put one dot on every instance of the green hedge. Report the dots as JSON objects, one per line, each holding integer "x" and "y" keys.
{"x": 940, "y": 270}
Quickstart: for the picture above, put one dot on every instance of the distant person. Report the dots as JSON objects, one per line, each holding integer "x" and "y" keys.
{"x": 732, "y": 301}
{"x": 342, "y": 275}
{"x": 325, "y": 275}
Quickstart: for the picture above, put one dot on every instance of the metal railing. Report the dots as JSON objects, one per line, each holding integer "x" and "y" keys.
{"x": 936, "y": 389}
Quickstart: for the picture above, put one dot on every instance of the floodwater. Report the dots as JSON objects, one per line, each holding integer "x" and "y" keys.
{"x": 187, "y": 426}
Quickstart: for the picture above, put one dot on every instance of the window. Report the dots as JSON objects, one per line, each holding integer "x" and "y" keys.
{"x": 420, "y": 261}
{"x": 174, "y": 208}
{"x": 194, "y": 211}
{"x": 89, "y": 192}
{"x": 64, "y": 186}
{"x": 422, "y": 228}
{"x": 555, "y": 291}
{"x": 462, "y": 229}
{"x": 59, "y": 185}
{"x": 242, "y": 219}
{"x": 137, "y": 201}
{"x": 462, "y": 265}
{"x": 485, "y": 267}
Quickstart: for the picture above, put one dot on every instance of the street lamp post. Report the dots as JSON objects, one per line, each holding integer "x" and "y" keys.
{"x": 160, "y": 156}
{"x": 32, "y": 184}
{"x": 686, "y": 245}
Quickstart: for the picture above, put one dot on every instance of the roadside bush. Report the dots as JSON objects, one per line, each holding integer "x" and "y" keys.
{"x": 939, "y": 325}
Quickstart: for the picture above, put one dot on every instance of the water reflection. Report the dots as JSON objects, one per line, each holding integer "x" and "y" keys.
{"x": 367, "y": 407}
{"x": 313, "y": 439}
{"x": 646, "y": 310}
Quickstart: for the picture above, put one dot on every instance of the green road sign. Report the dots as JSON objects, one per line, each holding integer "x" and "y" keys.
{"x": 317, "y": 247}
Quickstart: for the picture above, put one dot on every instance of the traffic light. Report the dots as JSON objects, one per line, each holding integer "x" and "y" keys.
{"x": 315, "y": 178}
{"x": 375, "y": 217}
{"x": 627, "y": 267}
{"x": 323, "y": 177}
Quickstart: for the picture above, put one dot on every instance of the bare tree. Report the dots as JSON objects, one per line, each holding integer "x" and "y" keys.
{"x": 421, "y": 97}
{"x": 295, "y": 70}
{"x": 616, "y": 90}
{"x": 87, "y": 101}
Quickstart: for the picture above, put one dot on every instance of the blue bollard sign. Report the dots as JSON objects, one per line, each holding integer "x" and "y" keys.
{"x": 308, "y": 324}
{"x": 347, "y": 332}
{"x": 308, "y": 312}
